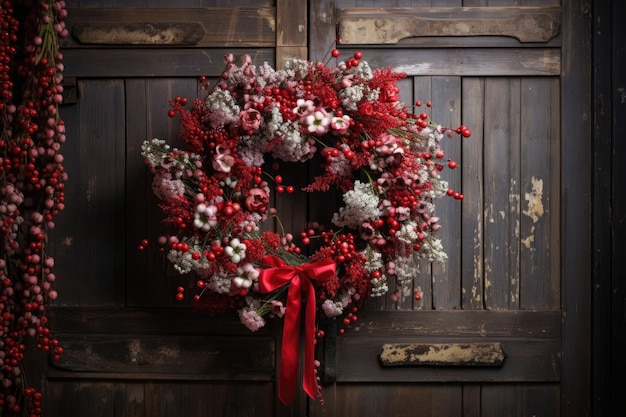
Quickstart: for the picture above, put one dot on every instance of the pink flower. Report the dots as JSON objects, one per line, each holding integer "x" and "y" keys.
{"x": 303, "y": 108}
{"x": 257, "y": 200}
{"x": 277, "y": 308}
{"x": 251, "y": 319}
{"x": 389, "y": 145}
{"x": 250, "y": 119}
{"x": 367, "y": 231}
{"x": 340, "y": 124}
{"x": 222, "y": 161}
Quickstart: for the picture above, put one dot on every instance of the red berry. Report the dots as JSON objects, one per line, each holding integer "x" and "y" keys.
{"x": 335, "y": 53}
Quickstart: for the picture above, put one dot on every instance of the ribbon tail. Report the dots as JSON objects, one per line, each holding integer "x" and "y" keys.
{"x": 289, "y": 363}
{"x": 309, "y": 384}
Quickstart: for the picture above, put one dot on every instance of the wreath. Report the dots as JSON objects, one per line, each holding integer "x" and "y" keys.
{"x": 216, "y": 195}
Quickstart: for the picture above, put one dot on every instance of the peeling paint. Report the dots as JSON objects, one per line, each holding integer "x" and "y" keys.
{"x": 534, "y": 200}
{"x": 134, "y": 349}
{"x": 443, "y": 354}
{"x": 269, "y": 18}
{"x": 475, "y": 294}
{"x": 528, "y": 242}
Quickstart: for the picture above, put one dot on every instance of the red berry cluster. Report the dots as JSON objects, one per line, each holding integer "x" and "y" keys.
{"x": 32, "y": 181}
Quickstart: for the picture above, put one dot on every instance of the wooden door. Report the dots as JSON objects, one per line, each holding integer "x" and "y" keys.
{"x": 513, "y": 279}
{"x": 517, "y": 243}
{"x": 131, "y": 348}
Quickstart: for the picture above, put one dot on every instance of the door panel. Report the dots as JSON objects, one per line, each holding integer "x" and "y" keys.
{"x": 501, "y": 282}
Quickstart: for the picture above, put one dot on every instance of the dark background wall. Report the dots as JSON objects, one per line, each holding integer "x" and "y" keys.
{"x": 609, "y": 207}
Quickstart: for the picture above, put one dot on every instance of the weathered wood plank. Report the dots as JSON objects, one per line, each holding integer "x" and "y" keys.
{"x": 323, "y": 31}
{"x": 466, "y": 61}
{"x": 388, "y": 26}
{"x": 90, "y": 248}
{"x": 473, "y": 189}
{"x": 502, "y": 178}
{"x": 209, "y": 26}
{"x": 291, "y": 30}
{"x": 432, "y": 400}
{"x": 154, "y": 33}
{"x": 206, "y": 357}
{"x": 423, "y": 283}
{"x": 539, "y": 282}
{"x": 458, "y": 323}
{"x": 159, "y": 398}
{"x": 153, "y": 280}
{"x": 146, "y": 321}
{"x": 153, "y": 62}
{"x": 471, "y": 400}
{"x": 446, "y": 111}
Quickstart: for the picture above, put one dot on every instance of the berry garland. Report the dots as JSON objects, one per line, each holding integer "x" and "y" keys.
{"x": 32, "y": 180}
{"x": 215, "y": 194}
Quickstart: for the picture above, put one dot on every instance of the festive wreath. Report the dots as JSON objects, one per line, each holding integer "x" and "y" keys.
{"x": 216, "y": 194}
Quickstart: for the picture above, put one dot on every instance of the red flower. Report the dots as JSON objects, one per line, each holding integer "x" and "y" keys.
{"x": 257, "y": 200}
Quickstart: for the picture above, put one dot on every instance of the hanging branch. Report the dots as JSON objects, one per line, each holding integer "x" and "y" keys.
{"x": 32, "y": 180}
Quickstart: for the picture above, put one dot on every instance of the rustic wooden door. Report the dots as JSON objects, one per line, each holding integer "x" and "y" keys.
{"x": 132, "y": 348}
{"x": 512, "y": 280}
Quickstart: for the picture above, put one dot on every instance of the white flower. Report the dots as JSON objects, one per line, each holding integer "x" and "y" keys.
{"x": 379, "y": 286}
{"x": 374, "y": 260}
{"x": 220, "y": 283}
{"x": 318, "y": 122}
{"x": 184, "y": 261}
{"x": 406, "y": 269}
{"x": 222, "y": 108}
{"x": 236, "y": 250}
{"x": 432, "y": 250}
{"x": 205, "y": 216}
{"x": 361, "y": 205}
{"x": 407, "y": 232}
{"x": 351, "y": 96}
{"x": 246, "y": 276}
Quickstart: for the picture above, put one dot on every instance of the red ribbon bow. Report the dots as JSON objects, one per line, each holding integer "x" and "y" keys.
{"x": 300, "y": 280}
